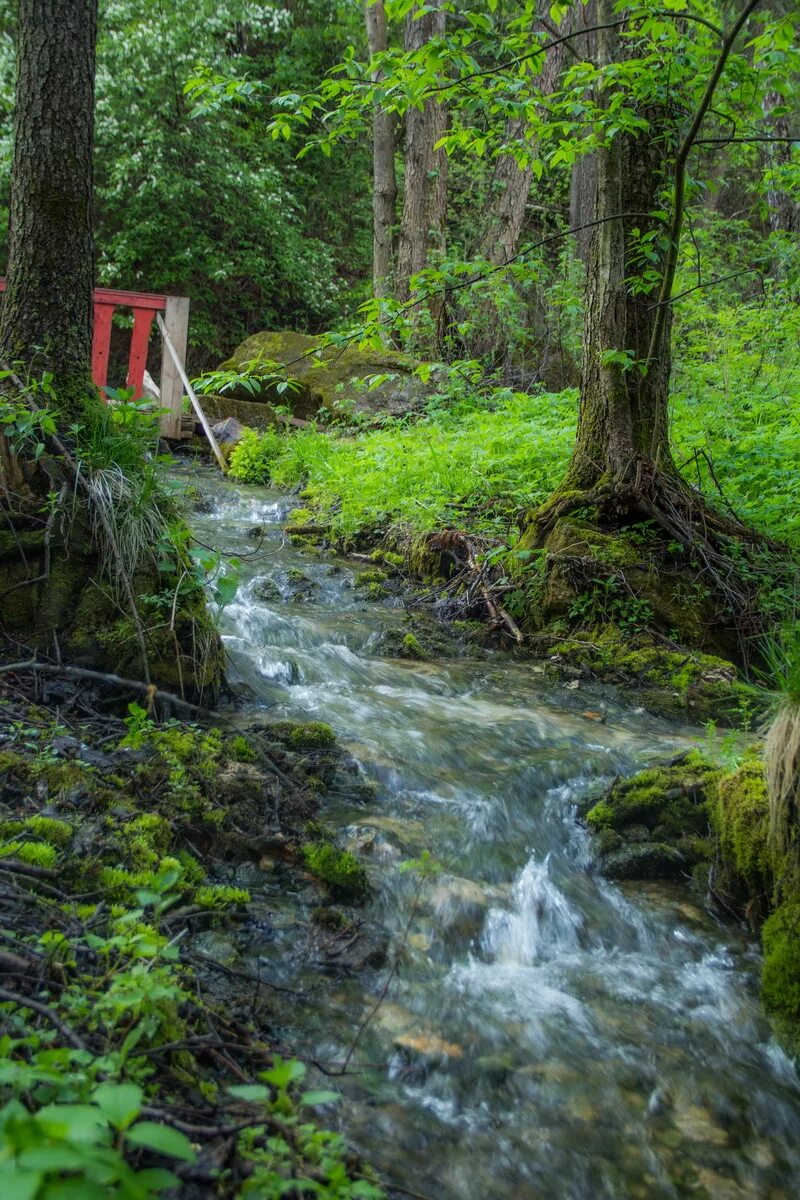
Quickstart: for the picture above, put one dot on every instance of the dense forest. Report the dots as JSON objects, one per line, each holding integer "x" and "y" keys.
{"x": 399, "y": 599}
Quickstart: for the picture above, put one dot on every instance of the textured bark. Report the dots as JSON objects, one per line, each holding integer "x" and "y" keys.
{"x": 384, "y": 182}
{"x": 511, "y": 184}
{"x": 583, "y": 182}
{"x": 425, "y": 188}
{"x": 46, "y": 318}
{"x": 623, "y": 419}
{"x": 784, "y": 210}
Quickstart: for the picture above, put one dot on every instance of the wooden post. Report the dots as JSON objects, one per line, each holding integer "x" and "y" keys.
{"x": 176, "y": 325}
{"x": 173, "y": 354}
{"x": 140, "y": 338}
{"x": 101, "y": 341}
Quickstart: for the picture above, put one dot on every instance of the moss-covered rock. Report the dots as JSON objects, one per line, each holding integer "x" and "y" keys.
{"x": 676, "y": 684}
{"x": 339, "y": 869}
{"x": 690, "y": 818}
{"x": 780, "y": 978}
{"x": 329, "y": 379}
{"x": 656, "y": 823}
{"x": 741, "y": 821}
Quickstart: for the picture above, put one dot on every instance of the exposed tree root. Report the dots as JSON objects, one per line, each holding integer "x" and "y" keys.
{"x": 646, "y": 493}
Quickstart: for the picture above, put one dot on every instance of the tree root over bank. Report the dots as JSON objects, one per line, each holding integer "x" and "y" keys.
{"x": 475, "y": 577}
{"x": 726, "y": 553}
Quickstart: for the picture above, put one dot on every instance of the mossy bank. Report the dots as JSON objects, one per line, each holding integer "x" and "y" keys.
{"x": 693, "y": 820}
{"x": 120, "y": 844}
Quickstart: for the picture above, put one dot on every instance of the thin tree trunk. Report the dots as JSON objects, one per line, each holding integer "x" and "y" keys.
{"x": 511, "y": 184}
{"x": 784, "y": 209}
{"x": 623, "y": 418}
{"x": 384, "y": 182}
{"x": 46, "y": 318}
{"x": 583, "y": 182}
{"x": 425, "y": 188}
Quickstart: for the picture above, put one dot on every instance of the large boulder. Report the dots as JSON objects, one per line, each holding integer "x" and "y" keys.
{"x": 325, "y": 378}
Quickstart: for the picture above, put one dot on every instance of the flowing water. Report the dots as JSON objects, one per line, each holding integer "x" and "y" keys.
{"x": 549, "y": 1034}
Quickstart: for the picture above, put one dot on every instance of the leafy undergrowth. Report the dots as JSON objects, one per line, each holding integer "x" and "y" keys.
{"x": 121, "y": 1075}
{"x": 476, "y": 462}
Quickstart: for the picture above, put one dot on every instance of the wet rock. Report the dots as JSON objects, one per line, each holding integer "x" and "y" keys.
{"x": 427, "y": 1049}
{"x": 645, "y": 860}
{"x": 459, "y": 905}
{"x": 353, "y": 948}
{"x": 496, "y": 1067}
{"x": 256, "y": 532}
{"x": 228, "y": 432}
{"x": 217, "y": 946}
{"x": 238, "y": 783}
{"x": 696, "y": 1125}
{"x": 265, "y": 589}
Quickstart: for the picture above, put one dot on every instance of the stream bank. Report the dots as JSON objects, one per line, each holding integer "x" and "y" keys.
{"x": 547, "y": 1032}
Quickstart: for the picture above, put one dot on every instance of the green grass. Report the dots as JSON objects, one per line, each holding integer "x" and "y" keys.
{"x": 736, "y": 399}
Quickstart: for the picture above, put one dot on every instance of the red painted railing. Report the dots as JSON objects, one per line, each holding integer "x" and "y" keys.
{"x": 145, "y": 305}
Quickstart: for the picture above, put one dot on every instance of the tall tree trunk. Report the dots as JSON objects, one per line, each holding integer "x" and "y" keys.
{"x": 511, "y": 184}
{"x": 784, "y": 209}
{"x": 623, "y": 418}
{"x": 583, "y": 182}
{"x": 47, "y": 309}
{"x": 425, "y": 188}
{"x": 384, "y": 182}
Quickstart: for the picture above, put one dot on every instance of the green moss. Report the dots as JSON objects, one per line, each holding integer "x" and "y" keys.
{"x": 301, "y": 516}
{"x": 36, "y": 854}
{"x": 413, "y": 648}
{"x": 49, "y": 829}
{"x": 388, "y": 558}
{"x": 780, "y": 977}
{"x": 144, "y": 840}
{"x": 371, "y": 583}
{"x": 314, "y": 735}
{"x": 240, "y": 750}
{"x": 741, "y": 821}
{"x": 219, "y": 896}
{"x": 12, "y": 763}
{"x": 65, "y": 777}
{"x": 329, "y": 918}
{"x": 340, "y": 869}
{"x": 193, "y": 873}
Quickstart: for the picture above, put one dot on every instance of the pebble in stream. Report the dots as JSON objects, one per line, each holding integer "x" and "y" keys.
{"x": 583, "y": 1041}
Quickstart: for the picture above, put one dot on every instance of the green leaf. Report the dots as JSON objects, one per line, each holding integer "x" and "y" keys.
{"x": 311, "y": 1099}
{"x": 163, "y": 1139}
{"x": 20, "y": 1184}
{"x": 249, "y": 1091}
{"x": 72, "y": 1122}
{"x": 120, "y": 1102}
{"x": 284, "y": 1072}
{"x": 157, "y": 1179}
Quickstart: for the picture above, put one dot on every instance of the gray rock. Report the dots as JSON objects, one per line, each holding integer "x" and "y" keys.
{"x": 644, "y": 860}
{"x": 228, "y": 432}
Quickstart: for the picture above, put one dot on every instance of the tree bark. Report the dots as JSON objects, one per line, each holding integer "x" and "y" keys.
{"x": 46, "y": 320}
{"x": 582, "y": 184}
{"x": 784, "y": 210}
{"x": 511, "y": 184}
{"x": 623, "y": 416}
{"x": 384, "y": 182}
{"x": 422, "y": 225}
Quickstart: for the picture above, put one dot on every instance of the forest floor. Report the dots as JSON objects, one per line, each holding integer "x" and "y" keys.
{"x": 133, "y": 1048}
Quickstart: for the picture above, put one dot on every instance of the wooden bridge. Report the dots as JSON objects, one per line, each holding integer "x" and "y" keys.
{"x": 145, "y": 306}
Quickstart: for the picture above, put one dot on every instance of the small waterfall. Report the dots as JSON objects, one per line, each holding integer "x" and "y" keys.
{"x": 542, "y": 924}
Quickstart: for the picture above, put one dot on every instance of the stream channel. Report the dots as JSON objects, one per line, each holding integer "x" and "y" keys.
{"x": 576, "y": 1038}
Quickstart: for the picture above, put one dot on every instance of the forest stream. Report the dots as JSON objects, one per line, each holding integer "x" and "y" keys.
{"x": 549, "y": 1034}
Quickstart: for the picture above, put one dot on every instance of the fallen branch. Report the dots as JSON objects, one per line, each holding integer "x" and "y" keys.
{"x": 130, "y": 685}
